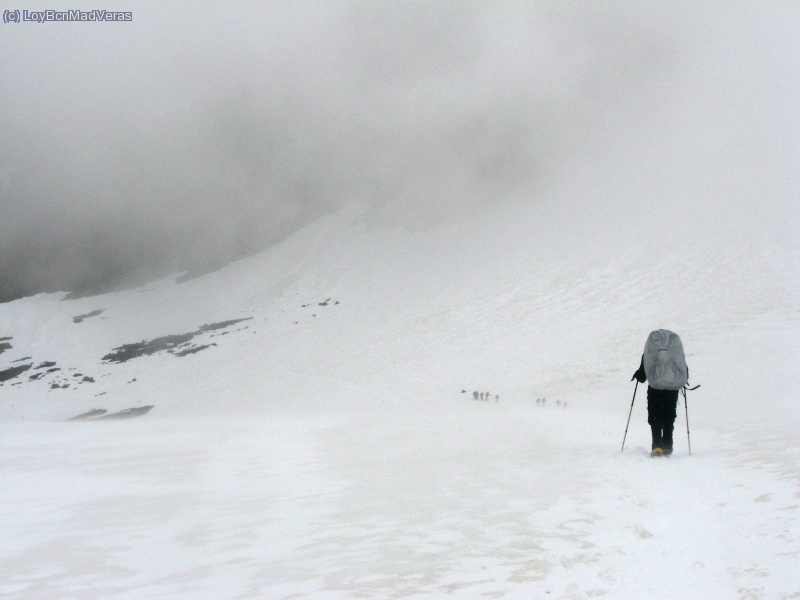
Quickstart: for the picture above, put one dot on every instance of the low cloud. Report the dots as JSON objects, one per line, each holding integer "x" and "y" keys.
{"x": 190, "y": 137}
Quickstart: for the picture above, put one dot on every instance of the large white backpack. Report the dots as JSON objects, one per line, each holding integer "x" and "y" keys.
{"x": 664, "y": 361}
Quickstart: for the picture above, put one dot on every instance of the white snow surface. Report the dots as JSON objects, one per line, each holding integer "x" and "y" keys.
{"x": 327, "y": 451}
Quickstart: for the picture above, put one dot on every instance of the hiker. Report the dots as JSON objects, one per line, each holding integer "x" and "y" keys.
{"x": 664, "y": 364}
{"x": 475, "y": 395}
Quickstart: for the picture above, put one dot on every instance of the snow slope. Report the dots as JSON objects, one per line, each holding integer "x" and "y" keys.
{"x": 324, "y": 448}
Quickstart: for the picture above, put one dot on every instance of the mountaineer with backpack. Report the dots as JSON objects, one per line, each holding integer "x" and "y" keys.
{"x": 664, "y": 367}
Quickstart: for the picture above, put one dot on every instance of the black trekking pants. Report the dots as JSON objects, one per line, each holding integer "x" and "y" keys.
{"x": 662, "y": 408}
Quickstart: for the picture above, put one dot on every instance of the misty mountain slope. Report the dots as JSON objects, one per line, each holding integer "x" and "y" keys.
{"x": 322, "y": 448}
{"x": 451, "y": 198}
{"x": 662, "y": 193}
{"x": 498, "y": 300}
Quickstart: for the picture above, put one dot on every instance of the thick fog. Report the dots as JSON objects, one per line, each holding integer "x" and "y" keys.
{"x": 196, "y": 134}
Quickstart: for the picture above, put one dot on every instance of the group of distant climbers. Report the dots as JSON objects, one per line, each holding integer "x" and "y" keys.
{"x": 485, "y": 396}
{"x": 543, "y": 400}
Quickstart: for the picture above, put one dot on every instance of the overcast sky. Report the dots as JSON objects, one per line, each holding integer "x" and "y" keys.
{"x": 199, "y": 133}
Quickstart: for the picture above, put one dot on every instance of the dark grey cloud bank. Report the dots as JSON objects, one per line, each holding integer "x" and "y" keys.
{"x": 200, "y": 133}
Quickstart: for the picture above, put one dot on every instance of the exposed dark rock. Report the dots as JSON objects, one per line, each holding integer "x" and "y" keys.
{"x": 325, "y": 302}
{"x": 128, "y": 413}
{"x": 13, "y": 372}
{"x": 147, "y": 347}
{"x": 167, "y": 343}
{"x": 54, "y": 369}
{"x": 21, "y": 359}
{"x": 193, "y": 350}
{"x": 47, "y": 364}
{"x": 36, "y": 376}
{"x": 8, "y": 338}
{"x": 222, "y": 324}
{"x": 95, "y": 412}
{"x": 87, "y": 379}
{"x": 5, "y": 346}
{"x": 80, "y": 318}
{"x": 99, "y": 414}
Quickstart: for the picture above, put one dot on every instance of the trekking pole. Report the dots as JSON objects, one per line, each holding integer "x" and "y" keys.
{"x": 629, "y": 416}
{"x": 686, "y": 407}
